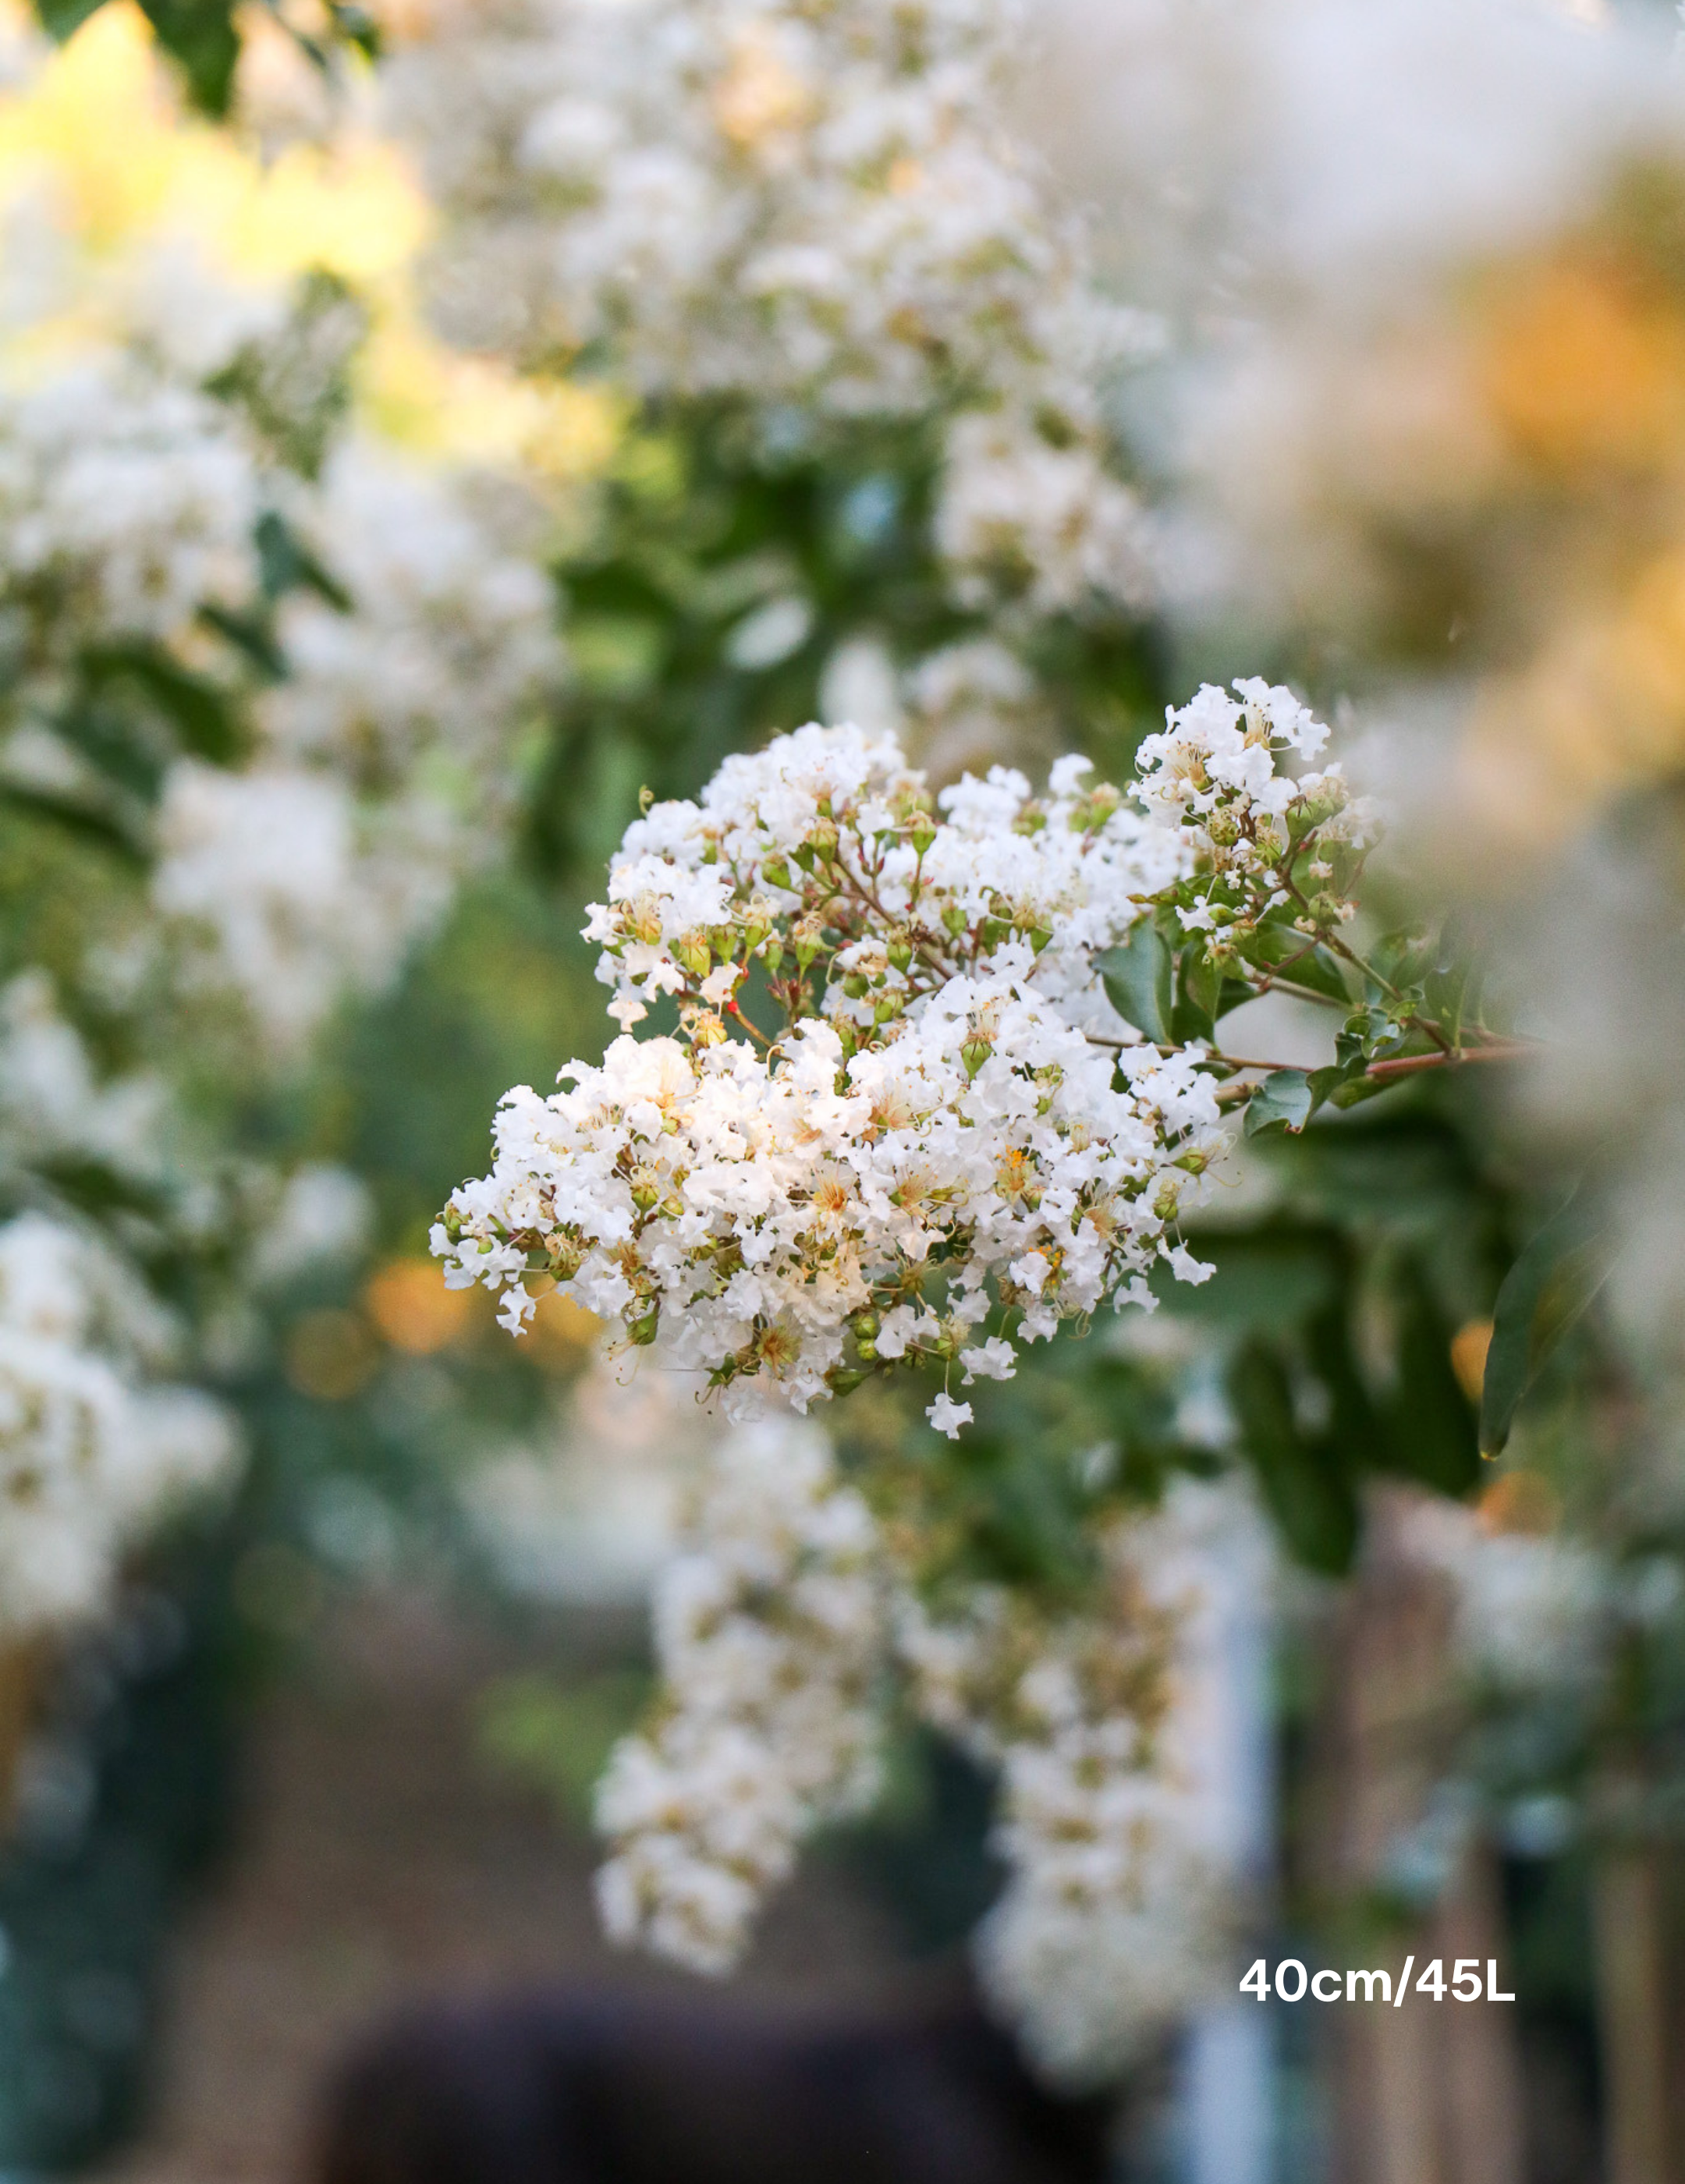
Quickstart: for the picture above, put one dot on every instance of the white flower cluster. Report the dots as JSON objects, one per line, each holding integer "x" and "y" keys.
{"x": 1532, "y": 1610}
{"x": 932, "y": 1134}
{"x": 90, "y": 1449}
{"x": 818, "y": 210}
{"x": 1041, "y": 523}
{"x": 769, "y": 1634}
{"x": 387, "y": 751}
{"x": 1115, "y": 1821}
{"x": 776, "y": 1629}
{"x": 447, "y": 650}
{"x": 1215, "y": 773}
{"x": 127, "y": 504}
{"x": 53, "y": 1102}
{"x": 132, "y": 485}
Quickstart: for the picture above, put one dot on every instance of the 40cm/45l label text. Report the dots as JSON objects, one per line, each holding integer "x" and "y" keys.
{"x": 1293, "y": 1982}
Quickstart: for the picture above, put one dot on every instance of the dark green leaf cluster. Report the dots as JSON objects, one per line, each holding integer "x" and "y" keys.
{"x": 702, "y": 525}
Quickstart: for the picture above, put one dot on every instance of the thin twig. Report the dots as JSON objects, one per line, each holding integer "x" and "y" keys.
{"x": 1411, "y": 1065}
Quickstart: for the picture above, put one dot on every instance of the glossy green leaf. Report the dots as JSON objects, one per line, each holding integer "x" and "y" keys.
{"x": 200, "y": 37}
{"x": 1279, "y": 948}
{"x": 1136, "y": 976}
{"x": 1433, "y": 1427}
{"x": 1199, "y": 989}
{"x": 1282, "y": 1103}
{"x": 1311, "y": 1492}
{"x": 1544, "y": 1294}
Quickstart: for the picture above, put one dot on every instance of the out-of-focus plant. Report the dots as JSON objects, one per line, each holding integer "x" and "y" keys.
{"x": 869, "y": 473}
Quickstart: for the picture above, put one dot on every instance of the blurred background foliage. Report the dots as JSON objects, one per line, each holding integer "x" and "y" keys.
{"x": 713, "y": 582}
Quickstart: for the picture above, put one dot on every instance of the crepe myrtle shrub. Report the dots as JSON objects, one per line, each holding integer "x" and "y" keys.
{"x": 943, "y": 1075}
{"x": 947, "y": 1070}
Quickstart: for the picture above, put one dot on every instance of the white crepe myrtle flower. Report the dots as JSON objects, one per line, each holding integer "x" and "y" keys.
{"x": 933, "y": 1137}
{"x": 1219, "y": 773}
{"x": 769, "y": 1634}
{"x": 446, "y": 651}
{"x": 90, "y": 1448}
{"x": 126, "y": 505}
{"x": 808, "y": 205}
{"x": 403, "y": 662}
{"x": 820, "y": 214}
{"x": 1114, "y": 1819}
{"x": 298, "y": 892}
{"x": 1531, "y": 1610}
{"x": 1021, "y": 518}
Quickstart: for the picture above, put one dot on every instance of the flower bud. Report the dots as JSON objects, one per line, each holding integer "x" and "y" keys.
{"x": 703, "y": 1027}
{"x": 974, "y": 1052}
{"x": 692, "y": 953}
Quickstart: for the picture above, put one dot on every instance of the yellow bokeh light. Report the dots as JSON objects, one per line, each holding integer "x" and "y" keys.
{"x": 99, "y": 130}
{"x": 408, "y": 1302}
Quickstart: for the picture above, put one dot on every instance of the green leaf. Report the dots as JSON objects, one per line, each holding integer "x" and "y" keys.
{"x": 1354, "y": 1432}
{"x": 250, "y": 637}
{"x": 1405, "y": 958}
{"x": 1282, "y": 1103}
{"x": 1544, "y": 1296}
{"x": 1278, "y": 947}
{"x": 96, "y": 1188}
{"x": 1199, "y": 988}
{"x": 285, "y": 564}
{"x": 1451, "y": 990}
{"x": 196, "y": 709}
{"x": 84, "y": 820}
{"x": 62, "y": 19}
{"x": 1356, "y": 1089}
{"x": 200, "y": 37}
{"x": 1311, "y": 1492}
{"x": 1432, "y": 1428}
{"x": 1136, "y": 976}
